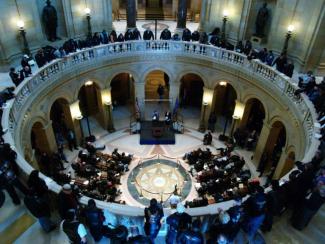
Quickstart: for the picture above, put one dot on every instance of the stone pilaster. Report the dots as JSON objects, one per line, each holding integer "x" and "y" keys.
{"x": 181, "y": 14}
{"x": 108, "y": 18}
{"x": 262, "y": 140}
{"x": 206, "y": 108}
{"x": 140, "y": 96}
{"x": 203, "y": 15}
{"x": 131, "y": 14}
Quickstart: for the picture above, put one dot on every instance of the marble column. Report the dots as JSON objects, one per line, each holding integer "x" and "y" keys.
{"x": 76, "y": 124}
{"x": 203, "y": 15}
{"x": 50, "y": 138}
{"x": 281, "y": 165}
{"x": 108, "y": 17}
{"x": 140, "y": 96}
{"x": 173, "y": 94}
{"x": 181, "y": 14}
{"x": 261, "y": 143}
{"x": 106, "y": 110}
{"x": 68, "y": 18}
{"x": 131, "y": 14}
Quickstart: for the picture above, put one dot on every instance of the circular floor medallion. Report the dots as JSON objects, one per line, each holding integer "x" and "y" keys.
{"x": 151, "y": 26}
{"x": 158, "y": 179}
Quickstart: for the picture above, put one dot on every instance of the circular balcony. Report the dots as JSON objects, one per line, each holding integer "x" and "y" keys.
{"x": 251, "y": 79}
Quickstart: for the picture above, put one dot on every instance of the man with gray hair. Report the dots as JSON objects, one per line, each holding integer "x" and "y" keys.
{"x": 177, "y": 223}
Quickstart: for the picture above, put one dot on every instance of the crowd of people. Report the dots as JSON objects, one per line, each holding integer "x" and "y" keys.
{"x": 219, "y": 177}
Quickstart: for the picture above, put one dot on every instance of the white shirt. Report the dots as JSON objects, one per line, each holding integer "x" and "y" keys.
{"x": 174, "y": 199}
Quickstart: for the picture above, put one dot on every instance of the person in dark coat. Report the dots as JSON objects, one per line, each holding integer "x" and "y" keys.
{"x": 177, "y": 223}
{"x": 73, "y": 228}
{"x": 254, "y": 208}
{"x": 148, "y": 35}
{"x": 288, "y": 69}
{"x": 195, "y": 36}
{"x": 302, "y": 216}
{"x": 15, "y": 77}
{"x": 136, "y": 34}
{"x": 192, "y": 236}
{"x": 165, "y": 34}
{"x": 129, "y": 35}
{"x": 67, "y": 200}
{"x": 71, "y": 137}
{"x": 38, "y": 205}
{"x": 280, "y": 62}
{"x": 113, "y": 36}
{"x": 186, "y": 35}
{"x": 212, "y": 121}
{"x": 94, "y": 219}
{"x": 37, "y": 184}
{"x": 120, "y": 38}
{"x": 153, "y": 215}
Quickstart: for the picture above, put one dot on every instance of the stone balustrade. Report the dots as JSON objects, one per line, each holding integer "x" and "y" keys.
{"x": 13, "y": 114}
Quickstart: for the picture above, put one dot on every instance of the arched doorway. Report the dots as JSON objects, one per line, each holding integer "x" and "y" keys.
{"x": 156, "y": 93}
{"x": 224, "y": 105}
{"x": 122, "y": 93}
{"x": 90, "y": 104}
{"x": 61, "y": 120}
{"x": 191, "y": 95}
{"x": 273, "y": 148}
{"x": 40, "y": 145}
{"x": 251, "y": 124}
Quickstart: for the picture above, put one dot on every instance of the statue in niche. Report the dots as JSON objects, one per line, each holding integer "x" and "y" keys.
{"x": 50, "y": 21}
{"x": 261, "y": 20}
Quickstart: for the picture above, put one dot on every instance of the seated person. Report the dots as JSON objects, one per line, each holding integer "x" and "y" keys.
{"x": 207, "y": 139}
{"x": 155, "y": 116}
{"x": 168, "y": 117}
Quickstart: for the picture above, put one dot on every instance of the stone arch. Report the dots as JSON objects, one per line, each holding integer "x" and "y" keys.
{"x": 252, "y": 95}
{"x": 61, "y": 94}
{"x": 224, "y": 98}
{"x": 275, "y": 145}
{"x": 81, "y": 82}
{"x": 120, "y": 71}
{"x": 187, "y": 90}
{"x": 195, "y": 72}
{"x": 123, "y": 92}
{"x": 38, "y": 137}
{"x": 63, "y": 122}
{"x": 235, "y": 85}
{"x": 157, "y": 67}
{"x": 254, "y": 115}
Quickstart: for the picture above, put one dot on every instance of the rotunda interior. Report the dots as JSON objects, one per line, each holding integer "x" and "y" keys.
{"x": 162, "y": 121}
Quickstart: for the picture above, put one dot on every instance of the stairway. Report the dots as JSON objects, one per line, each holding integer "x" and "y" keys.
{"x": 283, "y": 233}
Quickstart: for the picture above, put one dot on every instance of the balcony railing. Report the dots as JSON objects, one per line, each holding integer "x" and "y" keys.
{"x": 52, "y": 72}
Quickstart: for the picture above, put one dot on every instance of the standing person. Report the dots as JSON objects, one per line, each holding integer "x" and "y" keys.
{"x": 255, "y": 213}
{"x": 174, "y": 200}
{"x": 280, "y": 62}
{"x": 72, "y": 227}
{"x": 212, "y": 121}
{"x": 148, "y": 35}
{"x": 193, "y": 236}
{"x": 94, "y": 219}
{"x": 136, "y": 34}
{"x": 160, "y": 91}
{"x": 72, "y": 140}
{"x": 269, "y": 58}
{"x": 67, "y": 200}
{"x": 153, "y": 215}
{"x": 177, "y": 222}
{"x": 8, "y": 178}
{"x": 39, "y": 208}
{"x": 15, "y": 77}
{"x": 37, "y": 184}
